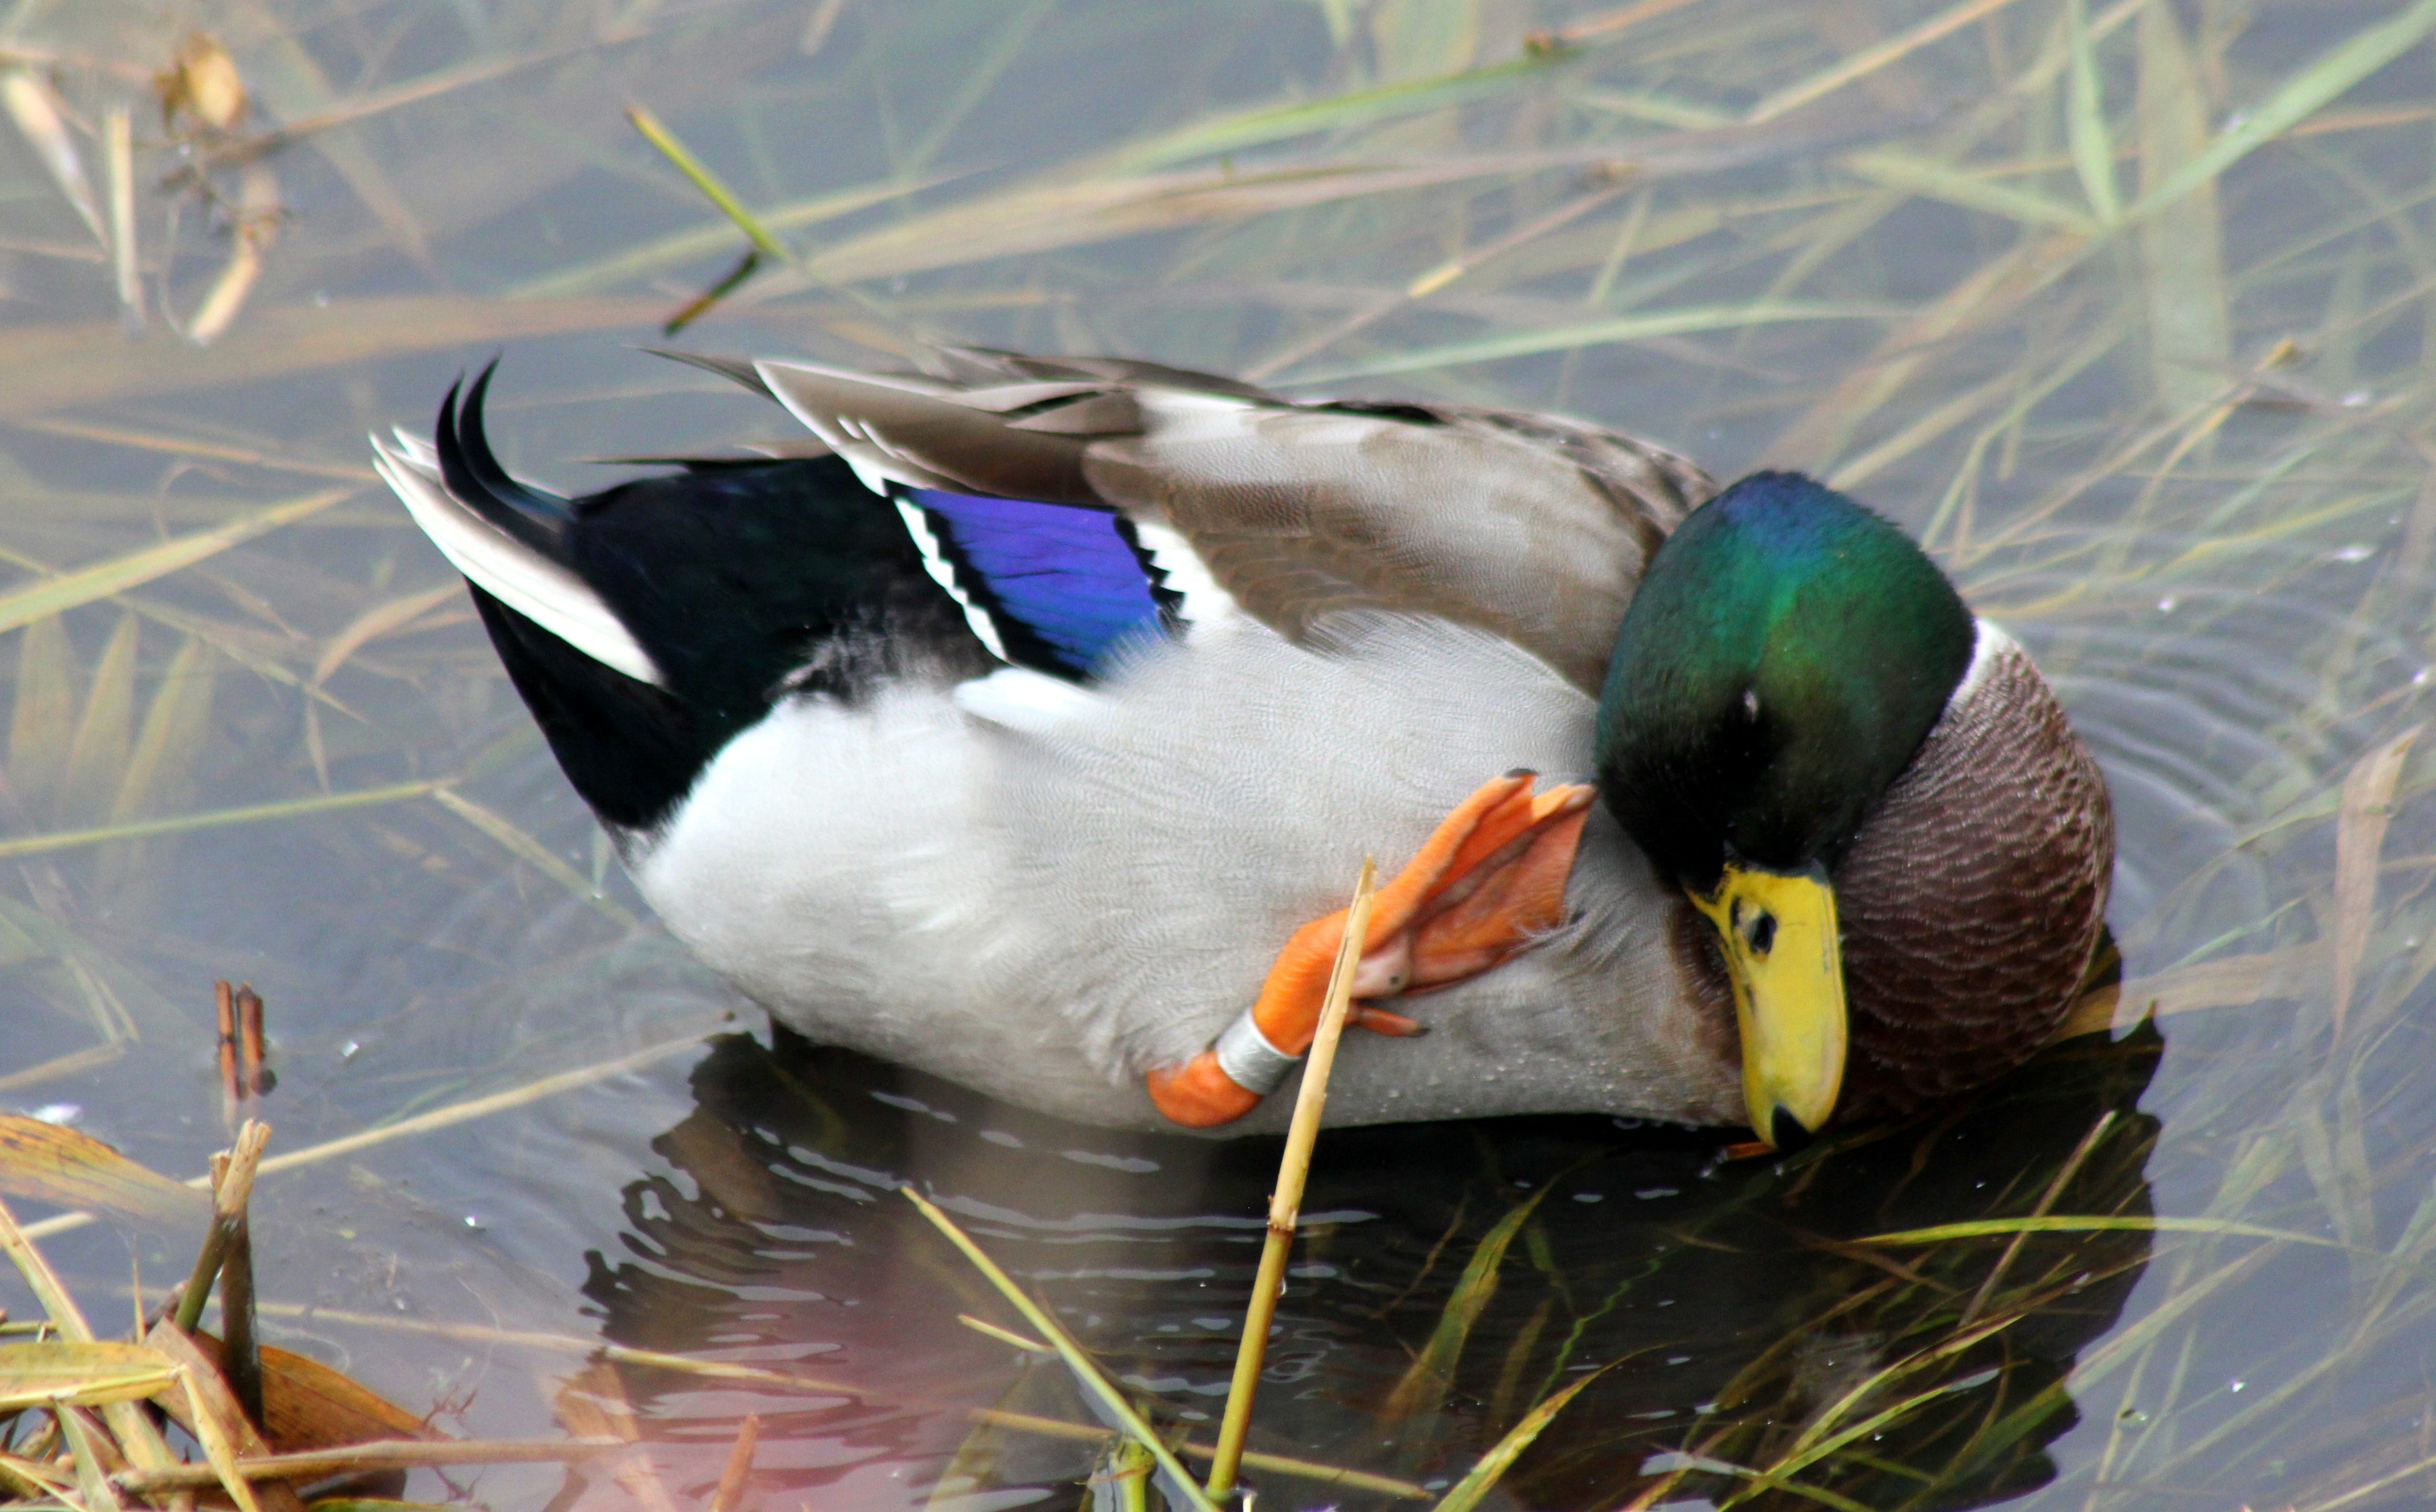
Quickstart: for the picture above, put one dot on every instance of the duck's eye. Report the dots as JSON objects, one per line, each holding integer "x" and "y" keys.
{"x": 1759, "y": 929}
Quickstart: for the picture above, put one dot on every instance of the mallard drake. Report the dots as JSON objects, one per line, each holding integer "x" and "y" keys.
{"x": 1026, "y": 721}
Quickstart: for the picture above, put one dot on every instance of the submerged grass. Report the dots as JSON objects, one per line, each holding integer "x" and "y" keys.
{"x": 2126, "y": 307}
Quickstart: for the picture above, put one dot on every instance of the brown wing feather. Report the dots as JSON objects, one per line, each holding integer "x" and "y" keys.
{"x": 932, "y": 439}
{"x": 1531, "y": 526}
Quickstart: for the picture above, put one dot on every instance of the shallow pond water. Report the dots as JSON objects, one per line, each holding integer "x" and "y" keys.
{"x": 2123, "y": 306}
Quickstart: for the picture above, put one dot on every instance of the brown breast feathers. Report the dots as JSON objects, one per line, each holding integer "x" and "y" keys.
{"x": 1972, "y": 897}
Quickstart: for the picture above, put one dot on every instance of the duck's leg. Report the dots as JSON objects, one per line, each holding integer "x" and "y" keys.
{"x": 1488, "y": 881}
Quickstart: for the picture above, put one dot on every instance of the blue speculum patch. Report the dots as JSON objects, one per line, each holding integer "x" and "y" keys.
{"x": 1064, "y": 583}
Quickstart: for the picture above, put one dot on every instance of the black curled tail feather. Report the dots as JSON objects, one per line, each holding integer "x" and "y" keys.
{"x": 534, "y": 516}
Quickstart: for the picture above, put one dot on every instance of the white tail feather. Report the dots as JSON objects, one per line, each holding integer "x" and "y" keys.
{"x": 509, "y": 571}
{"x": 418, "y": 450}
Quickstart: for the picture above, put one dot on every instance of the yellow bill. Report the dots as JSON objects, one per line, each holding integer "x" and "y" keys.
{"x": 1778, "y": 931}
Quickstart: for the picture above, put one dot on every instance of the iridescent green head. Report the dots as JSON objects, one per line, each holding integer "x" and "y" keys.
{"x": 1785, "y": 656}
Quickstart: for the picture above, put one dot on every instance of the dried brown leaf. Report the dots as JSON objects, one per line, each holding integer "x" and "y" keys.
{"x": 257, "y": 227}
{"x": 2230, "y": 981}
{"x": 307, "y": 1405}
{"x": 52, "y": 1163}
{"x": 203, "y": 82}
{"x": 2364, "y": 810}
{"x": 35, "y": 108}
{"x": 206, "y": 1407}
{"x": 379, "y": 620}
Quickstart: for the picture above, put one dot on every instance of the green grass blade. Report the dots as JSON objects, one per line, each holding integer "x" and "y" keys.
{"x": 58, "y": 1302}
{"x": 1465, "y": 1494}
{"x": 92, "y": 1471}
{"x": 1430, "y": 1372}
{"x": 20, "y": 606}
{"x": 87, "y": 1374}
{"x": 214, "y": 819}
{"x": 1359, "y": 107}
{"x": 45, "y": 710}
{"x": 2093, "y": 146}
{"x": 1941, "y": 180}
{"x": 1869, "y": 60}
{"x": 169, "y": 744}
{"x": 2181, "y": 256}
{"x": 2296, "y": 98}
{"x": 536, "y": 855}
{"x": 661, "y": 254}
{"x": 2065, "y": 1223}
{"x": 98, "y": 750}
{"x": 1085, "y": 1371}
{"x": 712, "y": 187}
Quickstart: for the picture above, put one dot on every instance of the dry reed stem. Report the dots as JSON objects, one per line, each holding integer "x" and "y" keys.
{"x": 439, "y": 1118}
{"x": 1285, "y": 1203}
{"x": 394, "y": 1454}
{"x": 231, "y": 1188}
{"x": 730, "y": 1492}
{"x": 746, "y": 1375}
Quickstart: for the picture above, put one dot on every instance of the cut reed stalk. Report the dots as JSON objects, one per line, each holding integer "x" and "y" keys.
{"x": 232, "y": 1187}
{"x": 740, "y": 1465}
{"x": 1285, "y": 1203}
{"x": 439, "y": 1118}
{"x": 241, "y": 1352}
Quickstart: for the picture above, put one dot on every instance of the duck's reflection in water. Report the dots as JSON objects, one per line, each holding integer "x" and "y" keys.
{"x": 1449, "y": 1276}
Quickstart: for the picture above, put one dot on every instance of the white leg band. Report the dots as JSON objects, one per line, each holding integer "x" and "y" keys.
{"x": 1250, "y": 1060}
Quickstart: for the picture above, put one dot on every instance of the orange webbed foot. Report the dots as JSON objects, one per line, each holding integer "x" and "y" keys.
{"x": 1503, "y": 906}
{"x": 1486, "y": 884}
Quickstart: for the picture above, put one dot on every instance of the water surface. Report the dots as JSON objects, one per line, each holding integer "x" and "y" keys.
{"x": 2122, "y": 307}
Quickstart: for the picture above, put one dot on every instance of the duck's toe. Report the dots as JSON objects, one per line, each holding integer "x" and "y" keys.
{"x": 1486, "y": 884}
{"x": 1506, "y": 901}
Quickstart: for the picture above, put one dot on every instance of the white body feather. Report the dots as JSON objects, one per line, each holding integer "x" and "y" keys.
{"x": 1048, "y": 910}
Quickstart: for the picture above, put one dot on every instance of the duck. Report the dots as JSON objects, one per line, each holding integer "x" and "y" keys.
{"x": 1024, "y": 720}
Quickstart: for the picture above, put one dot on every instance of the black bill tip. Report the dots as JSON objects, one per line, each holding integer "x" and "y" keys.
{"x": 1786, "y": 1131}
